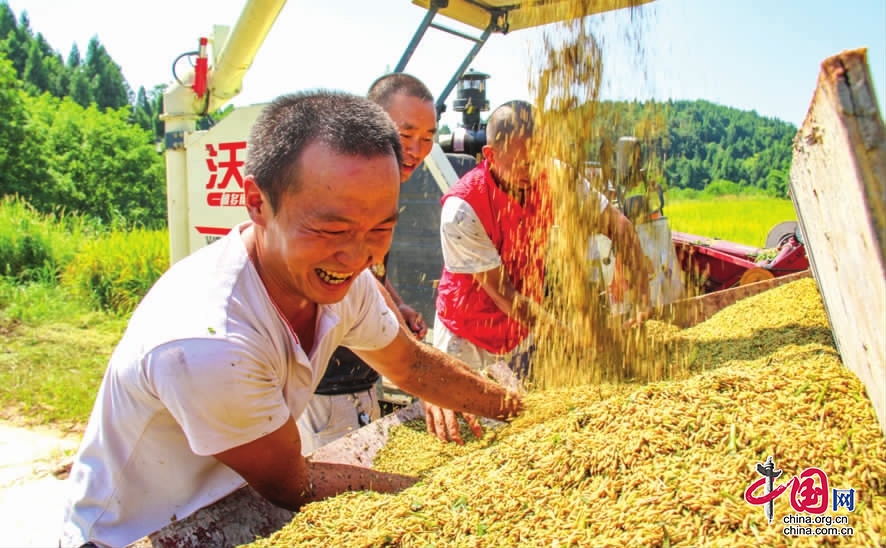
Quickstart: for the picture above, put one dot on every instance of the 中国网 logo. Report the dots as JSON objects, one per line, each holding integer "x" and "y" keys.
{"x": 810, "y": 497}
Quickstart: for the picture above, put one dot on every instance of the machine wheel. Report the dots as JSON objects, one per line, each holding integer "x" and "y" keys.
{"x": 755, "y": 274}
{"x": 780, "y": 233}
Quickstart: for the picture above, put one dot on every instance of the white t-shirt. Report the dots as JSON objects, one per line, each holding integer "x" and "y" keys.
{"x": 467, "y": 249}
{"x": 206, "y": 364}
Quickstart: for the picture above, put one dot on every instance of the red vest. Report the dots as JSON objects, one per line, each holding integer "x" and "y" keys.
{"x": 520, "y": 235}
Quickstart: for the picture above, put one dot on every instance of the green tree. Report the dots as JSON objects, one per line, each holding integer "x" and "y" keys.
{"x": 155, "y": 98}
{"x": 18, "y": 42}
{"x": 12, "y": 124}
{"x": 79, "y": 89}
{"x": 74, "y": 60}
{"x": 149, "y": 106}
{"x": 36, "y": 76}
{"x": 702, "y": 142}
{"x": 106, "y": 83}
{"x": 101, "y": 165}
{"x": 59, "y": 75}
{"x": 21, "y": 165}
{"x": 142, "y": 114}
{"x": 7, "y": 20}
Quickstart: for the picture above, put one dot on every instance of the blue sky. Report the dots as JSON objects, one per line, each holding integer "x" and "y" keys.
{"x": 761, "y": 55}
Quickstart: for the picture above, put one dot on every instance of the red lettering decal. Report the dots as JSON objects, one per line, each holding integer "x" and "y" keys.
{"x": 212, "y": 230}
{"x": 232, "y": 165}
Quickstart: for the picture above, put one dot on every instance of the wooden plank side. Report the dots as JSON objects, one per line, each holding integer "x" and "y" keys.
{"x": 837, "y": 185}
{"x": 360, "y": 447}
{"x": 689, "y": 312}
{"x": 239, "y": 518}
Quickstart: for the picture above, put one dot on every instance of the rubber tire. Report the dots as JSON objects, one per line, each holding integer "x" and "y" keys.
{"x": 780, "y": 233}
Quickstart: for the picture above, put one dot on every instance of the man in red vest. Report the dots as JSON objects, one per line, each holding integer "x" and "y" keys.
{"x": 494, "y": 229}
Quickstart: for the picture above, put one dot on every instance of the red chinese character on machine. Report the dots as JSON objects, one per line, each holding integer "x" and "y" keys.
{"x": 230, "y": 166}
{"x": 224, "y": 165}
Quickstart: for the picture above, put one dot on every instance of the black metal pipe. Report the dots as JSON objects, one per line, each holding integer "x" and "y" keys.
{"x": 469, "y": 58}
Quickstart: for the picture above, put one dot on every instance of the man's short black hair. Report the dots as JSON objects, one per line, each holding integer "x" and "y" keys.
{"x": 347, "y": 123}
{"x": 385, "y": 87}
{"x": 514, "y": 118}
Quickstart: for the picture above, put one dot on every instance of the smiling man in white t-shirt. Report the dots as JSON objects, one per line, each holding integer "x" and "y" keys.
{"x": 201, "y": 394}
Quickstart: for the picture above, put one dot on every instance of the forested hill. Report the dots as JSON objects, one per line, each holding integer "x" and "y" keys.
{"x": 93, "y": 78}
{"x": 699, "y": 143}
{"x": 75, "y": 138}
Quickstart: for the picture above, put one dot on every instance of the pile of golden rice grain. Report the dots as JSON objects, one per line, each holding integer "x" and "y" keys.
{"x": 663, "y": 464}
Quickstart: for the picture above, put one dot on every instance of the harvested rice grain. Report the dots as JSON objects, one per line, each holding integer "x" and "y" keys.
{"x": 663, "y": 464}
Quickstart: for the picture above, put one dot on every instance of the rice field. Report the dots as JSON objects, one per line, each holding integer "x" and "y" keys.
{"x": 740, "y": 219}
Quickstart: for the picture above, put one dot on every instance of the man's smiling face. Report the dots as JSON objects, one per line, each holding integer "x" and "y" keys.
{"x": 339, "y": 221}
{"x": 416, "y": 121}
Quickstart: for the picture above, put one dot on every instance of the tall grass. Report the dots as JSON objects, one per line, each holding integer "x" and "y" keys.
{"x": 117, "y": 269}
{"x": 35, "y": 246}
{"x": 67, "y": 285}
{"x": 55, "y": 349}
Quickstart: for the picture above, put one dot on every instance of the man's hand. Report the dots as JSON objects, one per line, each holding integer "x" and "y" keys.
{"x": 433, "y": 376}
{"x": 414, "y": 321}
{"x": 443, "y": 423}
{"x": 638, "y": 318}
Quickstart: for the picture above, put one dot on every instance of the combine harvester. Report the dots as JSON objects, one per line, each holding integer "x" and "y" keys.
{"x": 696, "y": 265}
{"x": 840, "y": 157}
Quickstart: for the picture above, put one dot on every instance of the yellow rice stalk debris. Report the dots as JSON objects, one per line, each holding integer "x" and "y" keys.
{"x": 663, "y": 464}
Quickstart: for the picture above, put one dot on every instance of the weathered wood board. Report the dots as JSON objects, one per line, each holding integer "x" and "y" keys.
{"x": 838, "y": 185}
{"x": 688, "y": 312}
{"x": 239, "y": 518}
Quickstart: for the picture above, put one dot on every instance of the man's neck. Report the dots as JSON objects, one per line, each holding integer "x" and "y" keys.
{"x": 299, "y": 313}
{"x": 516, "y": 193}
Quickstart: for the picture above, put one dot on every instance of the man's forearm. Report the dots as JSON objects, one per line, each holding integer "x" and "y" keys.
{"x": 326, "y": 479}
{"x": 531, "y": 314}
{"x": 521, "y": 308}
{"x": 331, "y": 479}
{"x": 636, "y": 262}
{"x": 446, "y": 382}
{"x": 628, "y": 250}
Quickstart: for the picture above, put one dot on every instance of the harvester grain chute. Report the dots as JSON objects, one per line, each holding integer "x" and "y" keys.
{"x": 706, "y": 264}
{"x": 203, "y": 170}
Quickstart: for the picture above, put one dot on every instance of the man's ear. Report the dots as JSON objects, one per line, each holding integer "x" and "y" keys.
{"x": 257, "y": 205}
{"x": 488, "y": 153}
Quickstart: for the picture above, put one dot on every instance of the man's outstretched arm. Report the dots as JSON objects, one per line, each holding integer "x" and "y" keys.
{"x": 274, "y": 466}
